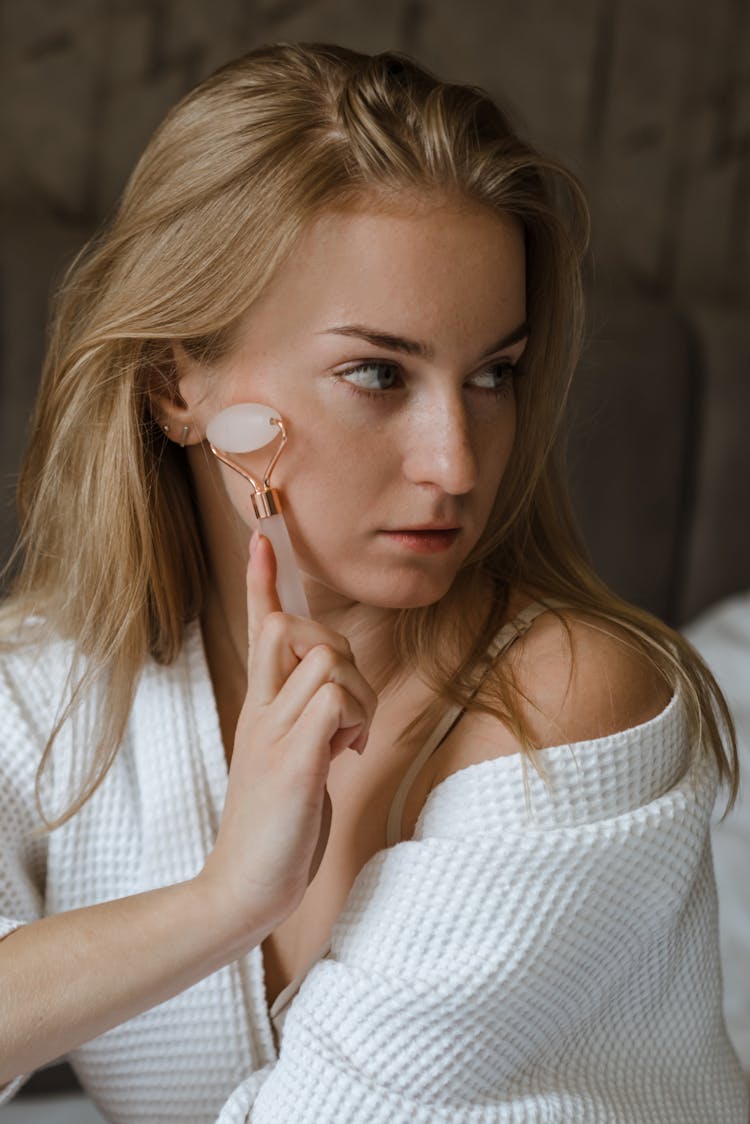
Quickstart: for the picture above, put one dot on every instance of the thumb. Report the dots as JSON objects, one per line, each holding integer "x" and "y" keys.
{"x": 262, "y": 597}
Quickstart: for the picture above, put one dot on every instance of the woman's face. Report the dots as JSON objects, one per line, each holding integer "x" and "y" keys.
{"x": 386, "y": 343}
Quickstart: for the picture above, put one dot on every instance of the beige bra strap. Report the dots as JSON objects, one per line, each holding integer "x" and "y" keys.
{"x": 395, "y": 815}
{"x": 507, "y": 635}
{"x": 520, "y": 624}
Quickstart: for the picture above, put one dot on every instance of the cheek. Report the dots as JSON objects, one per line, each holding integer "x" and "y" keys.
{"x": 325, "y": 485}
{"x": 332, "y": 458}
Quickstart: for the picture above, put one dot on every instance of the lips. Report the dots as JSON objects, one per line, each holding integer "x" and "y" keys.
{"x": 424, "y": 527}
{"x": 423, "y": 541}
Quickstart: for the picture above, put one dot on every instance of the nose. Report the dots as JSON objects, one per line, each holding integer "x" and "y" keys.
{"x": 439, "y": 448}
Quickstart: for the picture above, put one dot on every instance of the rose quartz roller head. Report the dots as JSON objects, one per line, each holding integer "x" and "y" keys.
{"x": 242, "y": 429}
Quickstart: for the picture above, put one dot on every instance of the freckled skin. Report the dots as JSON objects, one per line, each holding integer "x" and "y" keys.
{"x": 433, "y": 445}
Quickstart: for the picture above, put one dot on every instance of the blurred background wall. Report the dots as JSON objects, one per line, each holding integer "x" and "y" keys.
{"x": 647, "y": 100}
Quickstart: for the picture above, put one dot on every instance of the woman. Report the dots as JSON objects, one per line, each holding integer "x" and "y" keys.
{"x": 377, "y": 256}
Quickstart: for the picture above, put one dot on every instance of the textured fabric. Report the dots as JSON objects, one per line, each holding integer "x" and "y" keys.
{"x": 507, "y": 635}
{"x": 557, "y": 965}
{"x": 722, "y": 636}
{"x": 152, "y": 823}
{"x": 551, "y": 963}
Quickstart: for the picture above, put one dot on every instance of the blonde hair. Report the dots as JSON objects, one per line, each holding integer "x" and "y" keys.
{"x": 235, "y": 172}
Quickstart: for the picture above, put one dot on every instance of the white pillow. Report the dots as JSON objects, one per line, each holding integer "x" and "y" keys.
{"x": 722, "y": 636}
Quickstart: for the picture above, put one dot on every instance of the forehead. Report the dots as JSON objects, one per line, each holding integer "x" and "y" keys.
{"x": 440, "y": 262}
{"x": 413, "y": 232}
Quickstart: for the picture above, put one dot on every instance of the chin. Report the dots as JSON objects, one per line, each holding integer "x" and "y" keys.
{"x": 370, "y": 586}
{"x": 411, "y": 595}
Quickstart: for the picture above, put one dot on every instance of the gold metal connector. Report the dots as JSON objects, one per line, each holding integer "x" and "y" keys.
{"x": 266, "y": 500}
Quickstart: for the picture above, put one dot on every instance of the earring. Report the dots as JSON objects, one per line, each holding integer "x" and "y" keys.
{"x": 183, "y": 439}
{"x": 165, "y": 428}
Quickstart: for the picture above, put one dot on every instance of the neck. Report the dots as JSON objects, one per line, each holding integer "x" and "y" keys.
{"x": 224, "y": 621}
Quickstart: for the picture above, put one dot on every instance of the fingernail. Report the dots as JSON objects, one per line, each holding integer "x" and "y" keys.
{"x": 254, "y": 539}
{"x": 358, "y": 745}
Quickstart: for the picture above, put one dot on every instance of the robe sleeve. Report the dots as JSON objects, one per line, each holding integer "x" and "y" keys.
{"x": 498, "y": 964}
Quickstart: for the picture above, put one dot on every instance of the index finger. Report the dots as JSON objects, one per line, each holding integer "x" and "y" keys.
{"x": 285, "y": 647}
{"x": 262, "y": 597}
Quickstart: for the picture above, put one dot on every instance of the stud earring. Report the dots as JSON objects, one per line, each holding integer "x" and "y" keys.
{"x": 165, "y": 428}
{"x": 183, "y": 439}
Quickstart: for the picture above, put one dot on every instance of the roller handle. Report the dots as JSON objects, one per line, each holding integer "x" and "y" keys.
{"x": 289, "y": 586}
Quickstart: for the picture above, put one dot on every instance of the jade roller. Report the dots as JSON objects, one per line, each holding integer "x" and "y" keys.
{"x": 243, "y": 429}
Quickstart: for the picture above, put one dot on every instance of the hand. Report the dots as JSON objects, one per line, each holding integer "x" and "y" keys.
{"x": 306, "y": 702}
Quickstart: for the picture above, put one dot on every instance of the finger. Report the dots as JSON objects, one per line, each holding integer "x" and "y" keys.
{"x": 315, "y": 738}
{"x": 265, "y": 675}
{"x": 286, "y": 638}
{"x": 323, "y": 665}
{"x": 262, "y": 597}
{"x": 283, "y": 643}
{"x": 349, "y": 737}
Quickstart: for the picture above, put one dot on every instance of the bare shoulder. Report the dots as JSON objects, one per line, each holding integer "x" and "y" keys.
{"x": 575, "y": 683}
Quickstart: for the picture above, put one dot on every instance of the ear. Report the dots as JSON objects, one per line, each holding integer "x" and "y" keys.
{"x": 175, "y": 388}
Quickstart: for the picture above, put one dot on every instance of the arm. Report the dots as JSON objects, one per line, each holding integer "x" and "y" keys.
{"x": 67, "y": 978}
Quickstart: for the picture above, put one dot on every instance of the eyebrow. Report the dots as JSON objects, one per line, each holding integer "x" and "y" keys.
{"x": 415, "y": 347}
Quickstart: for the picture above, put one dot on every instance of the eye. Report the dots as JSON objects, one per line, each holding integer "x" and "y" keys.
{"x": 383, "y": 377}
{"x": 363, "y": 375}
{"x": 501, "y": 374}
